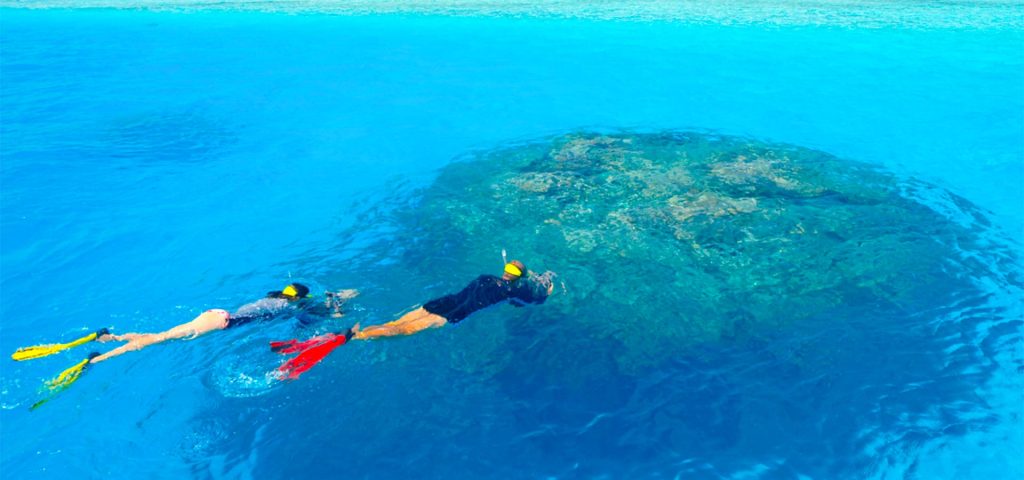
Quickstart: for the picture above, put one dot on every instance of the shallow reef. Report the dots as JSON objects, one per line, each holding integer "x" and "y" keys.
{"x": 719, "y": 298}
{"x": 666, "y": 240}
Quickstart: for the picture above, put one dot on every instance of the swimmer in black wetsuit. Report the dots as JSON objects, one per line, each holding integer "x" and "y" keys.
{"x": 294, "y": 299}
{"x": 481, "y": 293}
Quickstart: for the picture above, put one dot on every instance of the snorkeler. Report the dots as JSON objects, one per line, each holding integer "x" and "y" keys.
{"x": 294, "y": 299}
{"x": 484, "y": 291}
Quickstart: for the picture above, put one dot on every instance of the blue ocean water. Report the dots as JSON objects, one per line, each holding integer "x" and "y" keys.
{"x": 156, "y": 164}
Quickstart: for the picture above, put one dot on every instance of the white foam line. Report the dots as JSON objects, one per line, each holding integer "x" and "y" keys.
{"x": 862, "y": 14}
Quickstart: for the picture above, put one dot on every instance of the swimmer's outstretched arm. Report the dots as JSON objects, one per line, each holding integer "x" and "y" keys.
{"x": 410, "y": 323}
{"x": 335, "y": 300}
{"x": 207, "y": 322}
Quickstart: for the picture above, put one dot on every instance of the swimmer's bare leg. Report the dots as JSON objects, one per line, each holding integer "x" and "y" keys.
{"x": 127, "y": 337}
{"x": 139, "y": 342}
{"x": 207, "y": 322}
{"x": 410, "y": 323}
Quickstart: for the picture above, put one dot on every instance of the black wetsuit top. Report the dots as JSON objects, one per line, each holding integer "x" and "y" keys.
{"x": 270, "y": 308}
{"x": 483, "y": 292}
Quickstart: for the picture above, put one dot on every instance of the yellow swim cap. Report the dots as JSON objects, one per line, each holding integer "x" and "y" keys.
{"x": 294, "y": 291}
{"x": 512, "y": 269}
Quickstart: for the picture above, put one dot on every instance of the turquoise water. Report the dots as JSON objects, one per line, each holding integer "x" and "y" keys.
{"x": 156, "y": 164}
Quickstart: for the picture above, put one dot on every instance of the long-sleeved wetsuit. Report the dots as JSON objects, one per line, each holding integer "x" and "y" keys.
{"x": 483, "y": 292}
{"x": 269, "y": 308}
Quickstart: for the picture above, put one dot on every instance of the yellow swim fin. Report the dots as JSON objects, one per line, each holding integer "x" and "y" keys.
{"x": 65, "y": 379}
{"x": 39, "y": 351}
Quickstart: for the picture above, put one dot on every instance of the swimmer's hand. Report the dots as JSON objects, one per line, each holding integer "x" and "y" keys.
{"x": 336, "y": 299}
{"x": 345, "y": 295}
{"x": 547, "y": 280}
{"x": 355, "y": 331}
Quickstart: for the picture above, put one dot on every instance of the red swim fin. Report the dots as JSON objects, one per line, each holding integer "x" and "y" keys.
{"x": 310, "y": 352}
{"x": 292, "y": 346}
{"x": 279, "y": 347}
